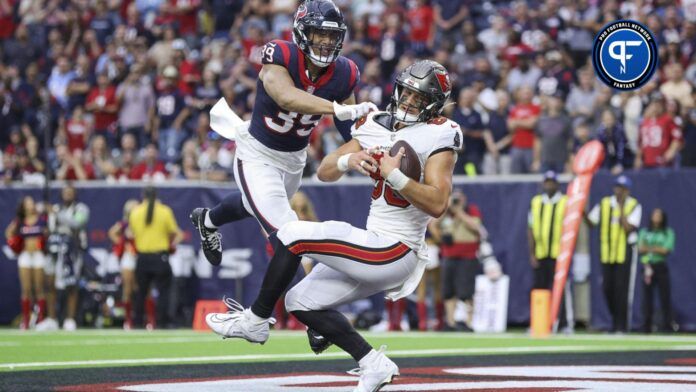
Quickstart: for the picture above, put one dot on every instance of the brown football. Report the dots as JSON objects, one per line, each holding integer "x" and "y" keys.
{"x": 410, "y": 164}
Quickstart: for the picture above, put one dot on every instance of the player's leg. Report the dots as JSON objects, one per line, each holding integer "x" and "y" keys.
{"x": 263, "y": 196}
{"x": 312, "y": 302}
{"x": 356, "y": 252}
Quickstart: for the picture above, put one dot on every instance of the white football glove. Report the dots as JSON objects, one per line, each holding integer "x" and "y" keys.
{"x": 353, "y": 112}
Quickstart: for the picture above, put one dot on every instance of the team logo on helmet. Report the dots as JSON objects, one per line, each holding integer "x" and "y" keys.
{"x": 444, "y": 80}
{"x": 301, "y": 11}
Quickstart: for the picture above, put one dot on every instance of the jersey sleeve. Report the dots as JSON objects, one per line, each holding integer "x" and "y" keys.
{"x": 361, "y": 132}
{"x": 276, "y": 52}
{"x": 352, "y": 74}
{"x": 450, "y": 136}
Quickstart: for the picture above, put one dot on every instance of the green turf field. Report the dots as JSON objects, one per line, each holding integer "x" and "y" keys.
{"x": 98, "y": 348}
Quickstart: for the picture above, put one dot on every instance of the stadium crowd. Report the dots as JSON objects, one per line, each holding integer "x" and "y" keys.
{"x": 120, "y": 90}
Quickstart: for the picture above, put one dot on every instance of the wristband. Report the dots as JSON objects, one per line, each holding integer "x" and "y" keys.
{"x": 342, "y": 163}
{"x": 397, "y": 180}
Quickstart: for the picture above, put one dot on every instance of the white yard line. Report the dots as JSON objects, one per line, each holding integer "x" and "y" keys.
{"x": 331, "y": 355}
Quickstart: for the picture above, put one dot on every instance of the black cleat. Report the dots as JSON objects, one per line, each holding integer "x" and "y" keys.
{"x": 317, "y": 343}
{"x": 211, "y": 239}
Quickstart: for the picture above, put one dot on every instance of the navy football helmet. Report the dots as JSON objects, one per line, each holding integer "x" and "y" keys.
{"x": 430, "y": 80}
{"x": 319, "y": 31}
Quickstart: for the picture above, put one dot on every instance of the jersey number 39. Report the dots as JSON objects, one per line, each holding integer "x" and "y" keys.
{"x": 289, "y": 121}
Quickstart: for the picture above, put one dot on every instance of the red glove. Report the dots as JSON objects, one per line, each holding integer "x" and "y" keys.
{"x": 378, "y": 157}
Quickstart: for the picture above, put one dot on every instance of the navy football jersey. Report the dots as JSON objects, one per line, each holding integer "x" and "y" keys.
{"x": 289, "y": 131}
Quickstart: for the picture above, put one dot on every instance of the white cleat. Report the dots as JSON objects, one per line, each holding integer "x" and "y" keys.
{"x": 69, "y": 324}
{"x": 375, "y": 374}
{"x": 47, "y": 324}
{"x": 237, "y": 323}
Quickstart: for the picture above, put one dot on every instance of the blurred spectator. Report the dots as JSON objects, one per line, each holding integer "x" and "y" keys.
{"x": 102, "y": 102}
{"x": 676, "y": 87}
{"x": 525, "y": 74}
{"x": 20, "y": 50}
{"x": 150, "y": 168}
{"x": 581, "y": 100}
{"x": 655, "y": 243}
{"x": 660, "y": 138}
{"x": 459, "y": 233}
{"x": 554, "y": 137}
{"x": 521, "y": 122}
{"x": 449, "y": 15}
{"x": 70, "y": 166}
{"x": 618, "y": 218}
{"x": 545, "y": 224}
{"x": 421, "y": 18}
{"x": 689, "y": 151}
{"x": 494, "y": 38}
{"x": 611, "y": 134}
{"x": 216, "y": 160}
{"x": 469, "y": 119}
{"x": 497, "y": 159}
{"x": 205, "y": 94}
{"x": 580, "y": 20}
{"x": 99, "y": 155}
{"x": 80, "y": 85}
{"x": 168, "y": 116}
{"x": 58, "y": 82}
{"x": 136, "y": 98}
{"x": 393, "y": 44}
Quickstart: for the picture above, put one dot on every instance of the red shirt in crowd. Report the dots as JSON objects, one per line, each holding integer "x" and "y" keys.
{"x": 523, "y": 137}
{"x": 421, "y": 20}
{"x": 188, "y": 68}
{"x": 188, "y": 22}
{"x": 7, "y": 26}
{"x": 654, "y": 138}
{"x": 86, "y": 166}
{"x": 103, "y": 98}
{"x": 75, "y": 131}
{"x": 143, "y": 171}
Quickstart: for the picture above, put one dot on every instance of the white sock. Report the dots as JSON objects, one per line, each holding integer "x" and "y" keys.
{"x": 367, "y": 358}
{"x": 207, "y": 222}
{"x": 256, "y": 319}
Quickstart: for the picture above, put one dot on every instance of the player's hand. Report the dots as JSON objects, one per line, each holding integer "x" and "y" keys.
{"x": 388, "y": 163}
{"x": 353, "y": 112}
{"x": 363, "y": 162}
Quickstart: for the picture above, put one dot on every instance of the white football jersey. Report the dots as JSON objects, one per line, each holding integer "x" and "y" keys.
{"x": 390, "y": 214}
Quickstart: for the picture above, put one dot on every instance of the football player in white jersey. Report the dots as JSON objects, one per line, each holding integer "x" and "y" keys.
{"x": 355, "y": 263}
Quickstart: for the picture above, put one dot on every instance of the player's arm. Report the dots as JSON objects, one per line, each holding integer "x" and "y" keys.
{"x": 279, "y": 85}
{"x": 344, "y": 127}
{"x": 349, "y": 156}
{"x": 432, "y": 196}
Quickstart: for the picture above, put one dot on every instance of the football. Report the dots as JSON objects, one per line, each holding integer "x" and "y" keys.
{"x": 410, "y": 165}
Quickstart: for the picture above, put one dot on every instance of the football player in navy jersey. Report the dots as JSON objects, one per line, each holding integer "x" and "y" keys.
{"x": 299, "y": 82}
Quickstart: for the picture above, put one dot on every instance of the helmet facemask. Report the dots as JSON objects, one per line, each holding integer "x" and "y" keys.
{"x": 323, "y": 44}
{"x": 409, "y": 105}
